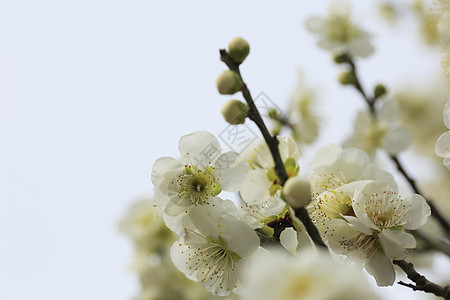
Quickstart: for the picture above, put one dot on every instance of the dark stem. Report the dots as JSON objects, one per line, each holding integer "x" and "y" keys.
{"x": 272, "y": 143}
{"x": 421, "y": 283}
{"x": 357, "y": 84}
{"x": 434, "y": 211}
{"x": 312, "y": 230}
{"x": 371, "y": 104}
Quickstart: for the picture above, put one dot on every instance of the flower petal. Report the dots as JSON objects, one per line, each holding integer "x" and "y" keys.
{"x": 240, "y": 238}
{"x": 396, "y": 140}
{"x": 165, "y": 168}
{"x": 358, "y": 224}
{"x": 326, "y": 156}
{"x": 231, "y": 175}
{"x": 402, "y": 238}
{"x": 199, "y": 148}
{"x": 447, "y": 114}
{"x": 380, "y": 267}
{"x": 288, "y": 239}
{"x": 417, "y": 213}
{"x": 443, "y": 145}
{"x": 255, "y": 187}
{"x": 315, "y": 24}
{"x": 391, "y": 248}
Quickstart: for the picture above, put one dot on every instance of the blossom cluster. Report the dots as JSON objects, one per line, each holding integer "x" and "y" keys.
{"x": 259, "y": 246}
{"x": 355, "y": 205}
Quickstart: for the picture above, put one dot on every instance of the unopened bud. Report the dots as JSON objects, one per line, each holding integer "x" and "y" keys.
{"x": 379, "y": 91}
{"x": 235, "y": 112}
{"x": 238, "y": 49}
{"x": 229, "y": 82}
{"x": 273, "y": 114}
{"x": 346, "y": 78}
{"x": 341, "y": 58}
{"x": 297, "y": 192}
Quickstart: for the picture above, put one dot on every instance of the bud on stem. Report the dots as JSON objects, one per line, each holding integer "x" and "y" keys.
{"x": 229, "y": 82}
{"x": 297, "y": 192}
{"x": 235, "y": 112}
{"x": 238, "y": 49}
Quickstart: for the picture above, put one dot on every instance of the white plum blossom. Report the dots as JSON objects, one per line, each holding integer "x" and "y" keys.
{"x": 339, "y": 34}
{"x": 374, "y": 230}
{"x": 333, "y": 167}
{"x": 212, "y": 248}
{"x": 310, "y": 276}
{"x": 262, "y": 184}
{"x": 196, "y": 178}
{"x": 258, "y": 215}
{"x": 443, "y": 142}
{"x": 261, "y": 190}
{"x": 385, "y": 132}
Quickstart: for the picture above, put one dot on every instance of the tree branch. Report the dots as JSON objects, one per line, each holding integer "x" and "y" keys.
{"x": 272, "y": 143}
{"x": 421, "y": 283}
{"x": 371, "y": 104}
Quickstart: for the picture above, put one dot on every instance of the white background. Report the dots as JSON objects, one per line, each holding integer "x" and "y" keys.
{"x": 93, "y": 92}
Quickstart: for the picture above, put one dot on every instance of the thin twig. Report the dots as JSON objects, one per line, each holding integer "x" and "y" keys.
{"x": 421, "y": 283}
{"x": 371, "y": 104}
{"x": 272, "y": 143}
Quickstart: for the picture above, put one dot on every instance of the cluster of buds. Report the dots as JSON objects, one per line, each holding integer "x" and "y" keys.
{"x": 230, "y": 82}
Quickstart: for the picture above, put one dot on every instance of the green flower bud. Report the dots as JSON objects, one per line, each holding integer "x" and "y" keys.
{"x": 379, "y": 91}
{"x": 297, "y": 192}
{"x": 238, "y": 49}
{"x": 341, "y": 58}
{"x": 229, "y": 82}
{"x": 235, "y": 112}
{"x": 346, "y": 78}
{"x": 273, "y": 114}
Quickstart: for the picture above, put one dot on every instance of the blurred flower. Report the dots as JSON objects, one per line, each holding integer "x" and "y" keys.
{"x": 385, "y": 132}
{"x": 428, "y": 22}
{"x": 419, "y": 105}
{"x": 389, "y": 11}
{"x": 165, "y": 282}
{"x": 145, "y": 225}
{"x": 443, "y": 142}
{"x": 302, "y": 113}
{"x": 338, "y": 34}
{"x": 311, "y": 276}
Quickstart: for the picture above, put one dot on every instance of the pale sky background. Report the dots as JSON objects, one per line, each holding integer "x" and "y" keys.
{"x": 93, "y": 92}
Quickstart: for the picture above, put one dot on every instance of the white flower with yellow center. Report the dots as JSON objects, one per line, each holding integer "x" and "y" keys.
{"x": 196, "y": 178}
{"x": 374, "y": 230}
{"x": 212, "y": 248}
{"x": 443, "y": 142}
{"x": 339, "y": 34}
{"x": 310, "y": 276}
{"x": 262, "y": 185}
{"x": 333, "y": 167}
{"x": 384, "y": 133}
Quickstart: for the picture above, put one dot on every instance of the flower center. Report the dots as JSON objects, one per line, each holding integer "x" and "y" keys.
{"x": 198, "y": 185}
{"x": 341, "y": 29}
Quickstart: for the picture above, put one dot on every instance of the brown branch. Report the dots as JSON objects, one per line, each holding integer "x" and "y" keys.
{"x": 421, "y": 283}
{"x": 434, "y": 211}
{"x": 371, "y": 104}
{"x": 272, "y": 143}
